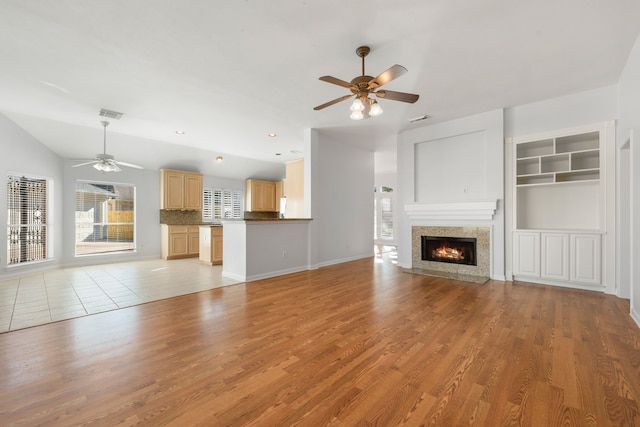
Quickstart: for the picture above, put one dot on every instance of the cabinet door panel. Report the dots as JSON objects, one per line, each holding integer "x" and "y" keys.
{"x": 194, "y": 243}
{"x": 178, "y": 244}
{"x": 555, "y": 256}
{"x": 173, "y": 190}
{"x": 585, "y": 258}
{"x": 270, "y": 197}
{"x": 526, "y": 254}
{"x": 193, "y": 191}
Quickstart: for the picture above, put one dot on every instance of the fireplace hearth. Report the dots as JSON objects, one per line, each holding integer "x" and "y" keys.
{"x": 454, "y": 250}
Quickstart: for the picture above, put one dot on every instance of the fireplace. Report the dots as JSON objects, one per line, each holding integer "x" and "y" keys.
{"x": 454, "y": 250}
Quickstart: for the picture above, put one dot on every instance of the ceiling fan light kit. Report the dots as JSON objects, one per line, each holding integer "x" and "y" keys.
{"x": 362, "y": 86}
{"x": 106, "y": 162}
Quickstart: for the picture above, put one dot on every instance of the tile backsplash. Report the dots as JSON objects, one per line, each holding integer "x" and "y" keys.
{"x": 173, "y": 217}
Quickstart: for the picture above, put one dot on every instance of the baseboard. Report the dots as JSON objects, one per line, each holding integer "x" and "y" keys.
{"x": 635, "y": 316}
{"x": 341, "y": 260}
{"x": 570, "y": 285}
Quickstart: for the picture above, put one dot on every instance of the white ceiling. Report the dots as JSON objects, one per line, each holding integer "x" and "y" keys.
{"x": 230, "y": 72}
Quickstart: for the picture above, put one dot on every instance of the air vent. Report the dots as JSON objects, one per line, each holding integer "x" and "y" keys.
{"x": 417, "y": 119}
{"x": 110, "y": 114}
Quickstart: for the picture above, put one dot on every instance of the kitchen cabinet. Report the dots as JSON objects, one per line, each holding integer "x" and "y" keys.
{"x": 179, "y": 241}
{"x": 211, "y": 244}
{"x": 260, "y": 196}
{"x": 180, "y": 190}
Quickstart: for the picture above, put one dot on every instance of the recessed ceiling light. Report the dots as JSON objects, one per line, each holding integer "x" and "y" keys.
{"x": 219, "y": 159}
{"x": 180, "y": 132}
{"x": 271, "y": 135}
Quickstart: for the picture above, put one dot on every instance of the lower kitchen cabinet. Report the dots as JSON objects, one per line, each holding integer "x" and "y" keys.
{"x": 557, "y": 258}
{"x": 179, "y": 241}
{"x": 211, "y": 244}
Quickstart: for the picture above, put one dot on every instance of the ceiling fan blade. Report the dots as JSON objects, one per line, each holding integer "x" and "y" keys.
{"x": 335, "y": 81}
{"x": 397, "y": 96}
{"x": 335, "y": 101}
{"x": 86, "y": 163}
{"x": 129, "y": 165}
{"x": 386, "y": 76}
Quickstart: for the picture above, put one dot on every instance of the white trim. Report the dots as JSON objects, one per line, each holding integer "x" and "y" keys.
{"x": 635, "y": 316}
{"x": 481, "y": 210}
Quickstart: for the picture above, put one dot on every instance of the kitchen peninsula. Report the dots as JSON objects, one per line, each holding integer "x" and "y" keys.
{"x": 257, "y": 249}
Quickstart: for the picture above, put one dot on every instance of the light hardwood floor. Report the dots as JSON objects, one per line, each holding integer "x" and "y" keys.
{"x": 359, "y": 343}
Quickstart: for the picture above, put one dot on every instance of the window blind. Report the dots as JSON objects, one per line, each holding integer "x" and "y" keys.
{"x": 104, "y": 217}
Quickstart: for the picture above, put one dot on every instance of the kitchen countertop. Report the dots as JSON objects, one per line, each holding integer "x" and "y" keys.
{"x": 278, "y": 219}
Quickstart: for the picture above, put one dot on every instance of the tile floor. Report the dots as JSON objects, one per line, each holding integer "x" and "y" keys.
{"x": 74, "y": 292}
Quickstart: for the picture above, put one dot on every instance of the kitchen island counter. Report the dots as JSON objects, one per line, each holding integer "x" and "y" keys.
{"x": 259, "y": 248}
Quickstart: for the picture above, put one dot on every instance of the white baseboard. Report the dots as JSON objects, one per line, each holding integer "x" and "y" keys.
{"x": 635, "y": 316}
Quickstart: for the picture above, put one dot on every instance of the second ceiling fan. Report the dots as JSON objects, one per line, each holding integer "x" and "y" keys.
{"x": 361, "y": 86}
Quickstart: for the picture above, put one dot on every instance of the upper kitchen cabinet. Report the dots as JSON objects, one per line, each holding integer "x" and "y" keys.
{"x": 261, "y": 196}
{"x": 180, "y": 190}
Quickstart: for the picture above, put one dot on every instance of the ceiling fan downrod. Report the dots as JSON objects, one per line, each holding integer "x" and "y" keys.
{"x": 104, "y": 124}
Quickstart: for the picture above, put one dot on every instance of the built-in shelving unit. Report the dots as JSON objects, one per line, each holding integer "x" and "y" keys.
{"x": 558, "y": 160}
{"x": 559, "y": 222}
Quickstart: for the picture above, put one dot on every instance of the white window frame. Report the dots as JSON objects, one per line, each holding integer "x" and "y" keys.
{"x": 47, "y": 221}
{"x": 106, "y": 223}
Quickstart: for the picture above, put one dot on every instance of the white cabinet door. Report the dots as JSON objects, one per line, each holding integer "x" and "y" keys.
{"x": 555, "y": 256}
{"x": 585, "y": 258}
{"x": 526, "y": 254}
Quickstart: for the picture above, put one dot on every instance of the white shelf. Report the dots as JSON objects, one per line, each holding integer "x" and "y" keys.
{"x": 558, "y": 160}
{"x": 562, "y": 216}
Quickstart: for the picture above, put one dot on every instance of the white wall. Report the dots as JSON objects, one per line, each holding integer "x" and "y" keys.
{"x": 23, "y": 154}
{"x": 147, "y": 209}
{"x": 629, "y": 121}
{"x": 474, "y": 144}
{"x": 339, "y": 180}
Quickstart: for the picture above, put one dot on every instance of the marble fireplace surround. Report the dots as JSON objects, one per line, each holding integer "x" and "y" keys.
{"x": 471, "y": 273}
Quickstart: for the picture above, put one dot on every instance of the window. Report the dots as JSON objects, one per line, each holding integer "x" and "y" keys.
{"x": 383, "y": 215}
{"x": 221, "y": 204}
{"x": 105, "y": 218}
{"x": 27, "y": 219}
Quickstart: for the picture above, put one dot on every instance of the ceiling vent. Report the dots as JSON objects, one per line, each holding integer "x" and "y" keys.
{"x": 110, "y": 114}
{"x": 417, "y": 119}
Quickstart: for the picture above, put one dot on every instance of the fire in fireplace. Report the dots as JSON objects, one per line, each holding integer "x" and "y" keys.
{"x": 456, "y": 250}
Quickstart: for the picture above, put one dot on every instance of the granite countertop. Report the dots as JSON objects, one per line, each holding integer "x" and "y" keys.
{"x": 278, "y": 219}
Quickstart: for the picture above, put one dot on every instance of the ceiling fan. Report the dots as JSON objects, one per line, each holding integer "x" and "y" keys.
{"x": 363, "y": 107}
{"x": 105, "y": 162}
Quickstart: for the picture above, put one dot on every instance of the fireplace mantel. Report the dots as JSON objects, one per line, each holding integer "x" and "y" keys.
{"x": 479, "y": 210}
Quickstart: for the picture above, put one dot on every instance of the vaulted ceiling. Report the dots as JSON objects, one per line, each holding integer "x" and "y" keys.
{"x": 228, "y": 73}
